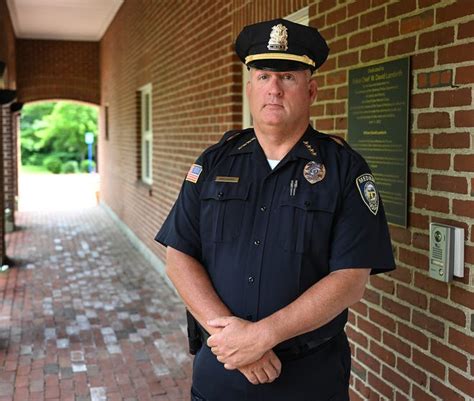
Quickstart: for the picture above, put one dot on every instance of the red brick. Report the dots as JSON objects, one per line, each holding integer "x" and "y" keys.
{"x": 456, "y": 10}
{"x": 337, "y": 78}
{"x": 452, "y": 98}
{"x": 382, "y": 353}
{"x": 465, "y": 75}
{"x": 459, "y": 140}
{"x": 420, "y": 100}
{"x": 356, "y": 336}
{"x": 422, "y": 394}
{"x": 464, "y": 162}
{"x": 367, "y": 360}
{"x": 461, "y": 382}
{"x": 372, "y": 296}
{"x": 433, "y": 203}
{"x": 399, "y": 8}
{"x": 418, "y": 220}
{"x": 359, "y": 39}
{"x": 422, "y": 60}
{"x": 401, "y": 274}
{"x": 360, "y": 308}
{"x": 463, "y": 208}
{"x": 420, "y": 141}
{"x": 434, "y": 120}
{"x": 414, "y": 335}
{"x": 411, "y": 296}
{"x": 433, "y": 161}
{"x": 428, "y": 364}
{"x": 395, "y": 343}
{"x": 464, "y": 118}
{"x": 395, "y": 308}
{"x": 466, "y": 30}
{"x": 422, "y": 81}
{"x": 415, "y": 374}
{"x": 358, "y": 6}
{"x": 449, "y": 183}
{"x": 429, "y": 323}
{"x": 402, "y": 46}
{"x": 382, "y": 387}
{"x": 326, "y": 94}
{"x": 448, "y": 312}
{"x": 399, "y": 234}
{"x": 336, "y": 16}
{"x": 444, "y": 392}
{"x": 412, "y": 258}
{"x": 417, "y": 22}
{"x": 349, "y": 26}
{"x": 385, "y": 32}
{"x": 396, "y": 379}
{"x": 461, "y": 340}
{"x": 462, "y": 296}
{"x": 421, "y": 241}
{"x": 373, "y": 53}
{"x": 372, "y": 17}
{"x": 369, "y": 328}
{"x": 324, "y": 124}
{"x": 437, "y": 38}
{"x": 456, "y": 54}
{"x": 348, "y": 59}
{"x": 382, "y": 284}
{"x": 325, "y": 5}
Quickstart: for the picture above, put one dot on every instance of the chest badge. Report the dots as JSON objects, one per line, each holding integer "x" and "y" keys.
{"x": 314, "y": 172}
{"x": 368, "y": 192}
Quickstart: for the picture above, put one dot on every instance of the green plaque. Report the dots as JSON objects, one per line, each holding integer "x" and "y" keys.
{"x": 378, "y": 129}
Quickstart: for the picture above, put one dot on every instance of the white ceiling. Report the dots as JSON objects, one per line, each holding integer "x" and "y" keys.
{"x": 62, "y": 19}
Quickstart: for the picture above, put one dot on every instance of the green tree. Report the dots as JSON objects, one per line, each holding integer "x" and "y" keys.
{"x": 56, "y": 128}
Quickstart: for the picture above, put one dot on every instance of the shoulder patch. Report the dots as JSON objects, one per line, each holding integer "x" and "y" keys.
{"x": 368, "y": 192}
{"x": 194, "y": 173}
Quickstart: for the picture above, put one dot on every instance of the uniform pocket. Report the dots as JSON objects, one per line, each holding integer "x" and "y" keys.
{"x": 222, "y": 209}
{"x": 305, "y": 219}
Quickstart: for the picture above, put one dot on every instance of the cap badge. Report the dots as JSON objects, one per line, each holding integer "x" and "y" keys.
{"x": 314, "y": 172}
{"x": 368, "y": 192}
{"x": 278, "y": 38}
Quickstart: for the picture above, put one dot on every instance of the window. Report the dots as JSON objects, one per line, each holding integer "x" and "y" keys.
{"x": 300, "y": 17}
{"x": 146, "y": 134}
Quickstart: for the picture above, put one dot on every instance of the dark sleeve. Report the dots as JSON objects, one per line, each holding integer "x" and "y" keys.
{"x": 360, "y": 235}
{"x": 181, "y": 228}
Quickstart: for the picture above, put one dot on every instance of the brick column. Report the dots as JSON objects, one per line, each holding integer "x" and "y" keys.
{"x": 2, "y": 223}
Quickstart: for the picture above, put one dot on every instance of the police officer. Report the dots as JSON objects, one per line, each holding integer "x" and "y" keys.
{"x": 274, "y": 235}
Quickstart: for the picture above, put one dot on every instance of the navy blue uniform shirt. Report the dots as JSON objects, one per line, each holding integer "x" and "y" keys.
{"x": 264, "y": 240}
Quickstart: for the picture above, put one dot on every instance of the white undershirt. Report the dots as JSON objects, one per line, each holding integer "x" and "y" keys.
{"x": 273, "y": 163}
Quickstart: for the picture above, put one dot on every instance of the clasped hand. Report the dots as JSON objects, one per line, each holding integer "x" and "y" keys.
{"x": 241, "y": 345}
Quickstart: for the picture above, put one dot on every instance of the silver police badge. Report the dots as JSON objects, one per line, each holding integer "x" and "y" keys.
{"x": 278, "y": 38}
{"x": 368, "y": 192}
{"x": 314, "y": 172}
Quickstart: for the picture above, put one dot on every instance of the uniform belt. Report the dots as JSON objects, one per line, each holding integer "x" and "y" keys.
{"x": 300, "y": 350}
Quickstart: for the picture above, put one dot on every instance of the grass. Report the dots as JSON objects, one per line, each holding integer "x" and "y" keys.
{"x": 34, "y": 170}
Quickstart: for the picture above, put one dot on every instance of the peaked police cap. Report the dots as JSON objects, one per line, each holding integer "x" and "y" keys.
{"x": 281, "y": 45}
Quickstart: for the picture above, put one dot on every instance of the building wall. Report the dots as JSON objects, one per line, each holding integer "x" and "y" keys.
{"x": 55, "y": 69}
{"x": 7, "y": 154}
{"x": 411, "y": 336}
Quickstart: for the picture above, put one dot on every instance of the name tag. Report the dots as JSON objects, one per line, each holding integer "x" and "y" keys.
{"x": 221, "y": 178}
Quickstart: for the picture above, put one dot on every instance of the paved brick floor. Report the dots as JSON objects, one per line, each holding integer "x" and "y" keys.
{"x": 85, "y": 318}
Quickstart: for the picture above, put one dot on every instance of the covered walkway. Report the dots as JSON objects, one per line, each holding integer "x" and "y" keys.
{"x": 84, "y": 317}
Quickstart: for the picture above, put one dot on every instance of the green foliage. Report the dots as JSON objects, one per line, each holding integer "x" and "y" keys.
{"x": 70, "y": 167}
{"x": 53, "y": 164}
{"x": 56, "y": 128}
{"x": 85, "y": 165}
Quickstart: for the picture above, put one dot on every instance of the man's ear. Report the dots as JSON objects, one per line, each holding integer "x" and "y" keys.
{"x": 313, "y": 89}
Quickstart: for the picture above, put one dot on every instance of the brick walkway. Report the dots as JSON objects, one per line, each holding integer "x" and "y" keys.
{"x": 85, "y": 318}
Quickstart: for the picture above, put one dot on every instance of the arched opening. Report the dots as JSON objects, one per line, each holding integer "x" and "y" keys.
{"x": 58, "y": 166}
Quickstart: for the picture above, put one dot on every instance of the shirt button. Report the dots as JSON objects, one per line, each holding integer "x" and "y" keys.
{"x": 220, "y": 194}
{"x": 257, "y": 242}
{"x": 263, "y": 208}
{"x": 307, "y": 203}
{"x": 251, "y": 279}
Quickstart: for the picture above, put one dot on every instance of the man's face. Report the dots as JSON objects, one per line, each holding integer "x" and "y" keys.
{"x": 280, "y": 99}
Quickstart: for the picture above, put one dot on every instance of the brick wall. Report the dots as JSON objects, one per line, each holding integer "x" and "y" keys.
{"x": 7, "y": 177}
{"x": 411, "y": 336}
{"x": 54, "y": 69}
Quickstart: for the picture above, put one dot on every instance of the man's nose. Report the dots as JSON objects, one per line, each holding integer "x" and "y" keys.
{"x": 274, "y": 87}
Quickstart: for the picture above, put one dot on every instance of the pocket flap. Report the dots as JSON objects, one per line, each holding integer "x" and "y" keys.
{"x": 309, "y": 200}
{"x": 222, "y": 191}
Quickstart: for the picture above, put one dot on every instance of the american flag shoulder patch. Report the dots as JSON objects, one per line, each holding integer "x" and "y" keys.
{"x": 194, "y": 173}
